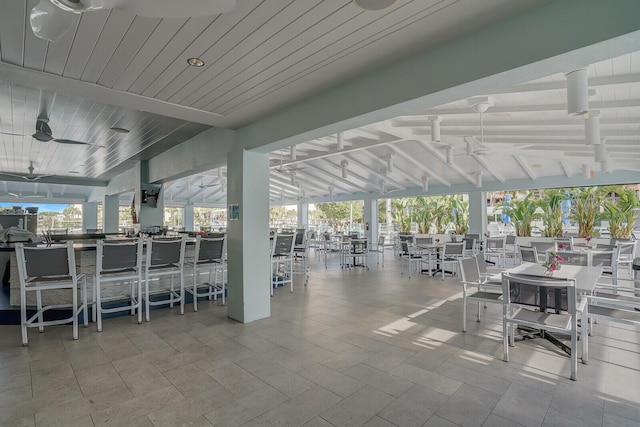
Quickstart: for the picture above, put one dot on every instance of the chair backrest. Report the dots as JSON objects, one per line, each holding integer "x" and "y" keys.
{"x": 542, "y": 246}
{"x": 358, "y": 246}
{"x": 44, "y": 262}
{"x": 476, "y": 237}
{"x": 406, "y": 237}
{"x": 541, "y": 293}
{"x": 165, "y": 252}
{"x": 495, "y": 243}
{"x": 283, "y": 244}
{"x": 574, "y": 258}
{"x": 469, "y": 244}
{"x": 118, "y": 255}
{"x": 381, "y": 239}
{"x": 626, "y": 250}
{"x": 605, "y": 247}
{"x": 510, "y": 240}
{"x": 404, "y": 247}
{"x": 604, "y": 258}
{"x": 563, "y": 243}
{"x": 455, "y": 238}
{"x": 453, "y": 249}
{"x": 482, "y": 264}
{"x": 424, "y": 241}
{"x": 300, "y": 235}
{"x": 469, "y": 271}
{"x": 528, "y": 254}
{"x": 209, "y": 249}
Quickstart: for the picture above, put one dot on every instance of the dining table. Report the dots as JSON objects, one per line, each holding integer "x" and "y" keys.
{"x": 585, "y": 278}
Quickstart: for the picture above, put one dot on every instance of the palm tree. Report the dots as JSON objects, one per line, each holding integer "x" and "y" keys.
{"x": 623, "y": 213}
{"x": 460, "y": 214}
{"x": 585, "y": 207}
{"x": 522, "y": 213}
{"x": 551, "y": 205}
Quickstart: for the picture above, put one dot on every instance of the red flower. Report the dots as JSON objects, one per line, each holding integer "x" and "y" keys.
{"x": 553, "y": 267}
{"x": 559, "y": 259}
{"x": 560, "y": 246}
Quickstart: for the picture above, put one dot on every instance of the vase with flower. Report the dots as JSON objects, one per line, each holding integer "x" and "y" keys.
{"x": 553, "y": 263}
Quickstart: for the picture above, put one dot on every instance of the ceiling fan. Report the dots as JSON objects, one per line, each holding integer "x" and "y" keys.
{"x": 50, "y": 19}
{"x": 20, "y": 196}
{"x": 202, "y": 185}
{"x": 44, "y": 133}
{"x": 31, "y": 177}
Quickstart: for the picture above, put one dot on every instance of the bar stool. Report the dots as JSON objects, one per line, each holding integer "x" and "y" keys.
{"x": 282, "y": 260}
{"x": 208, "y": 258}
{"x": 118, "y": 261}
{"x": 51, "y": 268}
{"x": 165, "y": 257}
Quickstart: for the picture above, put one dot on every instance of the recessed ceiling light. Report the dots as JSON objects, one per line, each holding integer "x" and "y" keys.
{"x": 119, "y": 130}
{"x": 195, "y": 62}
{"x": 374, "y": 4}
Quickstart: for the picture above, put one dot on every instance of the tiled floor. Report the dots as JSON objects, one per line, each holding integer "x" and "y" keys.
{"x": 354, "y": 347}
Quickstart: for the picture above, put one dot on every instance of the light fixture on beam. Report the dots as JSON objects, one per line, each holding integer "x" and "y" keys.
{"x": 592, "y": 128}
{"x": 600, "y": 151}
{"x": 586, "y": 171}
{"x": 435, "y": 128}
{"x": 606, "y": 166}
{"x": 577, "y": 92}
{"x": 479, "y": 180}
{"x": 425, "y": 183}
{"x": 374, "y": 5}
{"x": 344, "y": 164}
{"x": 339, "y": 141}
{"x": 449, "y": 155}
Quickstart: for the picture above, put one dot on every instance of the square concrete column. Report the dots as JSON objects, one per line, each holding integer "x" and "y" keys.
{"x": 111, "y": 214}
{"x": 89, "y": 216}
{"x": 371, "y": 217}
{"x": 187, "y": 218}
{"x": 248, "y": 235}
{"x": 478, "y": 212}
{"x": 303, "y": 215}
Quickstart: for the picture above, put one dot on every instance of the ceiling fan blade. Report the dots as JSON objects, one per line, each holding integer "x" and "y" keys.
{"x": 11, "y": 134}
{"x": 12, "y": 175}
{"x": 32, "y": 178}
{"x": 71, "y": 141}
{"x": 171, "y": 8}
{"x": 13, "y": 194}
{"x": 49, "y": 22}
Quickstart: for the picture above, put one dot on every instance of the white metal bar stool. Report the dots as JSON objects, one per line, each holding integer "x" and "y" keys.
{"x": 51, "y": 268}
{"x": 208, "y": 257}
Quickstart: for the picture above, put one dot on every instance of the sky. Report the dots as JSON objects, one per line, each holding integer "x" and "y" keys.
{"x": 42, "y": 206}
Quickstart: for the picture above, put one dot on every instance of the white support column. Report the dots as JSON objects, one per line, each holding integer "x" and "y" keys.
{"x": 110, "y": 214}
{"x": 187, "y": 218}
{"x": 303, "y": 215}
{"x": 478, "y": 212}
{"x": 89, "y": 216}
{"x": 248, "y": 235}
{"x": 371, "y": 217}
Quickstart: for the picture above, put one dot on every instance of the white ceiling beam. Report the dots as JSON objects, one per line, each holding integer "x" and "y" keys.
{"x": 561, "y": 84}
{"x": 396, "y": 171}
{"x": 603, "y": 105}
{"x": 443, "y": 159}
{"x": 335, "y": 179}
{"x": 353, "y": 174}
{"x": 420, "y": 166}
{"x": 525, "y": 167}
{"x": 488, "y": 122}
{"x": 375, "y": 172}
{"x": 71, "y": 87}
{"x": 492, "y": 170}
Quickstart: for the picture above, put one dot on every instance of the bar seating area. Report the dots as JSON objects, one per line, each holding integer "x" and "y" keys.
{"x": 377, "y": 213}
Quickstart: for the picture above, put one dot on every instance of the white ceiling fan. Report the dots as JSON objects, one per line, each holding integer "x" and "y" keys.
{"x": 202, "y": 185}
{"x": 31, "y": 177}
{"x": 44, "y": 133}
{"x": 50, "y": 19}
{"x": 20, "y": 196}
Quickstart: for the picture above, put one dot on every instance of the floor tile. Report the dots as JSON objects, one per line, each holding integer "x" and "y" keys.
{"x": 468, "y": 406}
{"x": 358, "y": 408}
